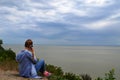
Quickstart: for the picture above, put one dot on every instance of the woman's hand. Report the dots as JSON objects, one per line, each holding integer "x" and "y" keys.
{"x": 32, "y": 51}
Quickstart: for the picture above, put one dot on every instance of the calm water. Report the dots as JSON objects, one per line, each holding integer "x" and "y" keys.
{"x": 93, "y": 60}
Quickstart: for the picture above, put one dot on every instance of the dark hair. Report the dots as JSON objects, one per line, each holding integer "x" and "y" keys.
{"x": 28, "y": 43}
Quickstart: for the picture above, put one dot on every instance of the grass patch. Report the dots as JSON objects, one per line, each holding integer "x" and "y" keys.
{"x": 9, "y": 65}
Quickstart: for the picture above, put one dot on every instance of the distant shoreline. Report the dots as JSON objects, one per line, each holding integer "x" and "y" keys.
{"x": 64, "y": 45}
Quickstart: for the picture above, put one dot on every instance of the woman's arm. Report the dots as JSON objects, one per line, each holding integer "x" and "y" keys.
{"x": 33, "y": 52}
{"x": 32, "y": 56}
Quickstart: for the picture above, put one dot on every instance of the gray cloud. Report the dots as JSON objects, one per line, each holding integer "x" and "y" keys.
{"x": 71, "y": 22}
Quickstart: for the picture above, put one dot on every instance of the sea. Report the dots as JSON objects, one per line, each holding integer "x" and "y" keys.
{"x": 92, "y": 60}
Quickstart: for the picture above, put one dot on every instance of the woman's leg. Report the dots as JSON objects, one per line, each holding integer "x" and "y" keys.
{"x": 40, "y": 66}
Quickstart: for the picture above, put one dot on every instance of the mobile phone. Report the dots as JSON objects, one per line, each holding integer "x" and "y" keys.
{"x": 31, "y": 46}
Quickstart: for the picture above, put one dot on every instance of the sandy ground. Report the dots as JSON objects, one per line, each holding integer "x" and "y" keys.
{"x": 13, "y": 75}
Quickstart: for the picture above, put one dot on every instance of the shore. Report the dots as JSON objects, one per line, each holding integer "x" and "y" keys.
{"x": 13, "y": 75}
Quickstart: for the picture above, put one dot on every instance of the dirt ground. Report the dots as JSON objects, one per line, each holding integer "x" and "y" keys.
{"x": 14, "y": 75}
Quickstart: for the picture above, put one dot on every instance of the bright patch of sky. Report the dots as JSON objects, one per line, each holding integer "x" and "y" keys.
{"x": 64, "y": 22}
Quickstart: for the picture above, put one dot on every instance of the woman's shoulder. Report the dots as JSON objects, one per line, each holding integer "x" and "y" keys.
{"x": 27, "y": 52}
{"x": 24, "y": 52}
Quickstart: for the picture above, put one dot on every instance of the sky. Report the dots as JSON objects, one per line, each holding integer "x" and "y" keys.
{"x": 60, "y": 22}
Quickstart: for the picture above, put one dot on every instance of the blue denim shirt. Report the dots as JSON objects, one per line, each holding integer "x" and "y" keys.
{"x": 26, "y": 64}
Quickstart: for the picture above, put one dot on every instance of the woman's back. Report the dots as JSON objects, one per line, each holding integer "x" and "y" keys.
{"x": 26, "y": 65}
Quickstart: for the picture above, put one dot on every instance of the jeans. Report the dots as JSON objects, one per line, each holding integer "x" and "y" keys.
{"x": 40, "y": 66}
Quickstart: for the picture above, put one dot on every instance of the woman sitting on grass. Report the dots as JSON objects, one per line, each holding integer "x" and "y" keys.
{"x": 28, "y": 64}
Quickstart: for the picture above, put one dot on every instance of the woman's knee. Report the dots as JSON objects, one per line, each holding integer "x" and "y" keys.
{"x": 42, "y": 61}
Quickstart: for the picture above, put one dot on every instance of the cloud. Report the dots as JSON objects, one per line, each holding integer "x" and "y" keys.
{"x": 108, "y": 21}
{"x": 101, "y": 24}
{"x": 98, "y": 3}
{"x": 63, "y": 22}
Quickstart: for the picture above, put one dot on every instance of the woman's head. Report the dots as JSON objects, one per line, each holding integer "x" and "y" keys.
{"x": 28, "y": 43}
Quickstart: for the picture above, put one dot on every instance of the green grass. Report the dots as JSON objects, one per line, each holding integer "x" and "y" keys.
{"x": 9, "y": 65}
